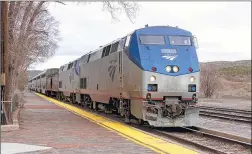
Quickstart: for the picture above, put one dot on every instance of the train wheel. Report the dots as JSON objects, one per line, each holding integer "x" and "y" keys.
{"x": 127, "y": 117}
{"x": 126, "y": 104}
{"x": 91, "y": 105}
{"x": 140, "y": 121}
{"x": 96, "y": 106}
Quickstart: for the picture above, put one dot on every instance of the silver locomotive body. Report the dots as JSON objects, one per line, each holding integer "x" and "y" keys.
{"x": 112, "y": 79}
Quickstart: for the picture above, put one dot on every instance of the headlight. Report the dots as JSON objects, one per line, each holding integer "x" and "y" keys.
{"x": 168, "y": 68}
{"x": 152, "y": 78}
{"x": 175, "y": 69}
{"x": 192, "y": 78}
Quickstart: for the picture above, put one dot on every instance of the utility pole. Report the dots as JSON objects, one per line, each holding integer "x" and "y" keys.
{"x": 1, "y": 62}
{"x": 6, "y": 51}
{"x": 5, "y": 60}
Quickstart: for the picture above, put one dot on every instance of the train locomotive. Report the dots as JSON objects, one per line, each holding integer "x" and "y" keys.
{"x": 151, "y": 75}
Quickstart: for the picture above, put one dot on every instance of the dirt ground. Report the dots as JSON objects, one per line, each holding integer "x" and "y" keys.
{"x": 232, "y": 90}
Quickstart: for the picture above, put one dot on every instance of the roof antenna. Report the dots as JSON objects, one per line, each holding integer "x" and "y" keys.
{"x": 147, "y": 25}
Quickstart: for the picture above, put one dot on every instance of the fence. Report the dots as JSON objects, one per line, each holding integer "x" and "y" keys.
{"x": 7, "y": 108}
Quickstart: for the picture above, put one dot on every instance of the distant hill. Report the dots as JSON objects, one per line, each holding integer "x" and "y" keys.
{"x": 230, "y": 68}
{"x": 235, "y": 78}
{"x": 32, "y": 73}
{"x": 224, "y": 64}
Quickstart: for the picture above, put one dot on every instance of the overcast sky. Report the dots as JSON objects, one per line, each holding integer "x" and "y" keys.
{"x": 223, "y": 29}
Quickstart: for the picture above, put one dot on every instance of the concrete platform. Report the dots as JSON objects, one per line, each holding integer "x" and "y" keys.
{"x": 57, "y": 130}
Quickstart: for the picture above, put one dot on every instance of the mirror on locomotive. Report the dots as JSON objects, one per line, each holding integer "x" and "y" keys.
{"x": 195, "y": 42}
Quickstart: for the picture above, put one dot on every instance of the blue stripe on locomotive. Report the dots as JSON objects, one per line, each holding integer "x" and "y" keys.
{"x": 147, "y": 56}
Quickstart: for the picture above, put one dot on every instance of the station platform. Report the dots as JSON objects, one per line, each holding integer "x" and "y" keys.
{"x": 50, "y": 126}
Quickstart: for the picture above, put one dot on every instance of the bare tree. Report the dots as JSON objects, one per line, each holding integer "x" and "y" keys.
{"x": 129, "y": 8}
{"x": 209, "y": 80}
{"x": 114, "y": 8}
{"x": 33, "y": 37}
{"x": 33, "y": 32}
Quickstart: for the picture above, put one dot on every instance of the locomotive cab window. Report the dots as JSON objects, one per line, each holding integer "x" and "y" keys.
{"x": 180, "y": 40}
{"x": 152, "y": 39}
{"x": 127, "y": 41}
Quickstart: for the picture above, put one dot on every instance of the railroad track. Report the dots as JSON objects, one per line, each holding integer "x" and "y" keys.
{"x": 209, "y": 140}
{"x": 229, "y": 114}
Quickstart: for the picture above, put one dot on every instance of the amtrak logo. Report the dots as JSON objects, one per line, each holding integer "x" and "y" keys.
{"x": 169, "y": 54}
{"x": 112, "y": 68}
{"x": 71, "y": 76}
{"x": 77, "y": 67}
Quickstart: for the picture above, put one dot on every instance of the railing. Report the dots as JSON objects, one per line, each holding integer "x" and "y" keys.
{"x": 6, "y": 112}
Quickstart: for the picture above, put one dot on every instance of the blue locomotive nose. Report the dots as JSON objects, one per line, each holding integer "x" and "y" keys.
{"x": 181, "y": 58}
{"x": 160, "y": 47}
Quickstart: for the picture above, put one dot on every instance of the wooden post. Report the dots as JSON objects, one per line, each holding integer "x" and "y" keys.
{"x": 6, "y": 60}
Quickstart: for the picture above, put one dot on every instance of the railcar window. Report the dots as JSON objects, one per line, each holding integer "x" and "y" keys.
{"x": 54, "y": 71}
{"x": 95, "y": 55}
{"x": 92, "y": 57}
{"x": 127, "y": 41}
{"x": 65, "y": 67}
{"x": 99, "y": 54}
{"x": 70, "y": 66}
{"x": 121, "y": 44}
{"x": 42, "y": 76}
{"x": 88, "y": 58}
{"x": 152, "y": 39}
{"x": 61, "y": 68}
{"x": 84, "y": 59}
{"x": 114, "y": 47}
{"x": 106, "y": 51}
{"x": 180, "y": 40}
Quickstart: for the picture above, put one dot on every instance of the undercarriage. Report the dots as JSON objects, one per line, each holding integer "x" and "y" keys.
{"x": 171, "y": 112}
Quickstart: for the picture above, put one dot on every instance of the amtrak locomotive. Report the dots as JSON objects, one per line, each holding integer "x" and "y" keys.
{"x": 151, "y": 75}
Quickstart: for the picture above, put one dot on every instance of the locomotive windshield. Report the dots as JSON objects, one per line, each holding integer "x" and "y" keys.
{"x": 152, "y": 39}
{"x": 180, "y": 40}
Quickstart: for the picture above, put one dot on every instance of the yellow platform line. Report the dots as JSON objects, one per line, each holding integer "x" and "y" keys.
{"x": 156, "y": 144}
